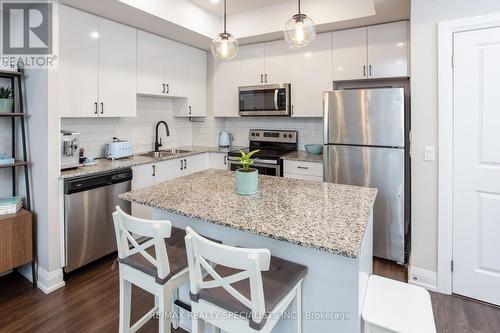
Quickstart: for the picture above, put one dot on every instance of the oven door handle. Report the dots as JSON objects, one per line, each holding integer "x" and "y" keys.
{"x": 276, "y": 99}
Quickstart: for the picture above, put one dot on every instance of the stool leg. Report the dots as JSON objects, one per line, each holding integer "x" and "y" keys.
{"x": 165, "y": 310}
{"x": 297, "y": 309}
{"x": 176, "y": 312}
{"x": 125, "y": 305}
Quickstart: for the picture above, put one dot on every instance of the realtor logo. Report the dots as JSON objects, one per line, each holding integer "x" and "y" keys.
{"x": 27, "y": 28}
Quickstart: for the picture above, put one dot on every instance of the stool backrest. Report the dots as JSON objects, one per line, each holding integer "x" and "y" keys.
{"x": 202, "y": 253}
{"x": 126, "y": 225}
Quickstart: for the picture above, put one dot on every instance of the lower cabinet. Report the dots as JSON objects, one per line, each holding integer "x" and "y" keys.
{"x": 218, "y": 161}
{"x": 303, "y": 170}
{"x": 142, "y": 176}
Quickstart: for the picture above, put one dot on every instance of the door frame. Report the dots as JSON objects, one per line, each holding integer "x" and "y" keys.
{"x": 446, "y": 31}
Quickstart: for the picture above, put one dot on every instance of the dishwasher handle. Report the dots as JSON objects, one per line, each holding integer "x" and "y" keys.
{"x": 86, "y": 183}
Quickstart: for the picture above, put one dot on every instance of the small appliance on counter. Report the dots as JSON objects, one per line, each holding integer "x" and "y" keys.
{"x": 225, "y": 139}
{"x": 69, "y": 150}
{"x": 118, "y": 149}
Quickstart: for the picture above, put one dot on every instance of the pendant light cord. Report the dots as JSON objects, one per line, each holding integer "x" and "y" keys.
{"x": 299, "y": 7}
{"x": 224, "y": 16}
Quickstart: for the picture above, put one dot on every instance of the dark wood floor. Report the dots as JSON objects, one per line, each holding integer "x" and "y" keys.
{"x": 89, "y": 303}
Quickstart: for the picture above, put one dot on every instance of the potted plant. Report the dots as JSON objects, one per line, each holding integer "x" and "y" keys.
{"x": 6, "y": 101}
{"x": 247, "y": 179}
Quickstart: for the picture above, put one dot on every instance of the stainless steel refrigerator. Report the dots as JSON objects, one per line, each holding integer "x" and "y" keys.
{"x": 365, "y": 141}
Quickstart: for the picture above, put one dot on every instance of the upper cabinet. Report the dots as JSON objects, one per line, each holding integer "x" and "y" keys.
{"x": 388, "y": 50}
{"x": 224, "y": 84}
{"x": 97, "y": 66}
{"x": 251, "y": 64}
{"x": 171, "y": 69}
{"x": 379, "y": 51}
{"x": 311, "y": 74}
{"x": 277, "y": 62}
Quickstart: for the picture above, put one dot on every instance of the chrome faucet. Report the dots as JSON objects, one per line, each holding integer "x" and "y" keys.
{"x": 158, "y": 142}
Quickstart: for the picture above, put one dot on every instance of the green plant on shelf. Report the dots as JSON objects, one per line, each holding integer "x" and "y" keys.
{"x": 246, "y": 160}
{"x": 5, "y": 92}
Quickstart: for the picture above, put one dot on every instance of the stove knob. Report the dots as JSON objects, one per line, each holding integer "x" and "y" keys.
{"x": 258, "y": 134}
{"x": 253, "y": 134}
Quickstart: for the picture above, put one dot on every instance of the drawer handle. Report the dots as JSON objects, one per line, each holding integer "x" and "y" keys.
{"x": 302, "y": 167}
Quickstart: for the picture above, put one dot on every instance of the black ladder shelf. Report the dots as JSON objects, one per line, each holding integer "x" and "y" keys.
{"x": 18, "y": 113}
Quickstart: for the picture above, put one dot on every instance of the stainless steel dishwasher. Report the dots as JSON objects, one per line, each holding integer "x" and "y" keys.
{"x": 89, "y": 203}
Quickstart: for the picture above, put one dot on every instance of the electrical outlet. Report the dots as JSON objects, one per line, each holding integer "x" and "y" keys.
{"x": 429, "y": 153}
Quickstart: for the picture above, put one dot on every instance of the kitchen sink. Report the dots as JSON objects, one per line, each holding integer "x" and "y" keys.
{"x": 167, "y": 152}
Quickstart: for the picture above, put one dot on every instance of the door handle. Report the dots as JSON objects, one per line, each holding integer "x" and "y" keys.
{"x": 225, "y": 159}
{"x": 364, "y": 70}
{"x": 261, "y": 78}
{"x": 168, "y": 88}
{"x": 185, "y": 164}
{"x": 190, "y": 110}
{"x": 265, "y": 78}
{"x": 370, "y": 70}
{"x": 102, "y": 107}
{"x": 182, "y": 165}
{"x": 154, "y": 170}
{"x": 163, "y": 88}
{"x": 96, "y": 108}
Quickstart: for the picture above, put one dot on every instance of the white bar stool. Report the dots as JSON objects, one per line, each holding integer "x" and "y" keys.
{"x": 395, "y": 307}
{"x": 159, "y": 266}
{"x": 240, "y": 290}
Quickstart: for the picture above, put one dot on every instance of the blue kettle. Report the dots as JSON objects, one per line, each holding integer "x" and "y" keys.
{"x": 225, "y": 139}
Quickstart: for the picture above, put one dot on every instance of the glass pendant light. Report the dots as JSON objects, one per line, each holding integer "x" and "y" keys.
{"x": 299, "y": 30}
{"x": 224, "y": 45}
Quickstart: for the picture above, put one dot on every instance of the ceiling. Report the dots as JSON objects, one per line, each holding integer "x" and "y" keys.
{"x": 233, "y": 6}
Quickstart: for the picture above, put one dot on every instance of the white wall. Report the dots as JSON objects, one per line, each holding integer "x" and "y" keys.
{"x": 425, "y": 14}
{"x": 140, "y": 130}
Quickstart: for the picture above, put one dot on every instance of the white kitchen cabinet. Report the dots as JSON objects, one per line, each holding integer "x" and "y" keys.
{"x": 277, "y": 62}
{"x": 350, "y": 54}
{"x": 196, "y": 103}
{"x": 150, "y": 64}
{"x": 218, "y": 161}
{"x": 97, "y": 66}
{"x": 251, "y": 64}
{"x": 195, "y": 163}
{"x": 388, "y": 50}
{"x": 311, "y": 74}
{"x": 303, "y": 170}
{"x": 117, "y": 70}
{"x": 78, "y": 63}
{"x": 142, "y": 176}
{"x": 176, "y": 68}
{"x": 167, "y": 170}
{"x": 379, "y": 51}
{"x": 225, "y": 82}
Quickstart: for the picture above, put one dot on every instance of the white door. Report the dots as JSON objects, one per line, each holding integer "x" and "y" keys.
{"x": 311, "y": 75}
{"x": 277, "y": 62}
{"x": 476, "y": 200}
{"x": 150, "y": 64}
{"x": 197, "y": 93}
{"x": 349, "y": 54}
{"x": 250, "y": 60}
{"x": 142, "y": 176}
{"x": 117, "y": 70}
{"x": 78, "y": 63}
{"x": 224, "y": 85}
{"x": 388, "y": 50}
{"x": 176, "y": 68}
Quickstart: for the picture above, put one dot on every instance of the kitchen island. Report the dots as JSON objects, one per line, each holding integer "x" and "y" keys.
{"x": 327, "y": 227}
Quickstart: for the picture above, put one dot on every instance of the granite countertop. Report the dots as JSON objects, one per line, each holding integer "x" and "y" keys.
{"x": 104, "y": 165}
{"x": 324, "y": 216}
{"x": 303, "y": 156}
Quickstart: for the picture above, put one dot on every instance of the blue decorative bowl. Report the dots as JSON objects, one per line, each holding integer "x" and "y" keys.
{"x": 314, "y": 149}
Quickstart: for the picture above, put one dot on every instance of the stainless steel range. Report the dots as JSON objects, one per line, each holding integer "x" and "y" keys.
{"x": 273, "y": 144}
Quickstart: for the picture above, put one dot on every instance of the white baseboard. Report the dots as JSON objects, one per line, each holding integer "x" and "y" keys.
{"x": 47, "y": 281}
{"x": 423, "y": 278}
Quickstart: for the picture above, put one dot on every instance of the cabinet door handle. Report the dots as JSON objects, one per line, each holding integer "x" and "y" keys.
{"x": 261, "y": 78}
{"x": 182, "y": 165}
{"x": 265, "y": 78}
{"x": 185, "y": 164}
{"x": 168, "y": 88}
{"x": 154, "y": 170}
{"x": 225, "y": 159}
{"x": 292, "y": 109}
{"x": 102, "y": 107}
{"x": 302, "y": 167}
{"x": 163, "y": 88}
{"x": 190, "y": 110}
{"x": 364, "y": 70}
{"x": 370, "y": 70}
{"x": 96, "y": 108}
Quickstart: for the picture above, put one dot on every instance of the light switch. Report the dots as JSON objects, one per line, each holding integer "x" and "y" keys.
{"x": 429, "y": 153}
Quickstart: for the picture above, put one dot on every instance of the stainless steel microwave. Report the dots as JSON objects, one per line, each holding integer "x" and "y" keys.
{"x": 265, "y": 100}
